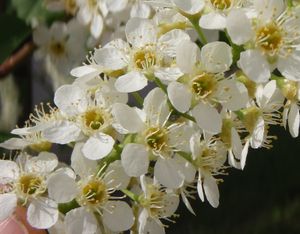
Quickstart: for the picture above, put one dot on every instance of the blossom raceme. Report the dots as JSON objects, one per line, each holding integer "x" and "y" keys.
{"x": 157, "y": 113}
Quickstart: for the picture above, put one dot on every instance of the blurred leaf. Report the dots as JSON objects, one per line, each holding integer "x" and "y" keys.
{"x": 5, "y": 136}
{"x": 32, "y": 11}
{"x": 14, "y": 31}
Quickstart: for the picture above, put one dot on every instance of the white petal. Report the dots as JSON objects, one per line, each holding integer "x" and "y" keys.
{"x": 200, "y": 189}
{"x": 186, "y": 168}
{"x": 294, "y": 120}
{"x": 8, "y": 204}
{"x": 180, "y": 96}
{"x": 267, "y": 93}
{"x": 239, "y": 27}
{"x": 81, "y": 165}
{"x": 257, "y": 137}
{"x": 15, "y": 144}
{"x": 116, "y": 178}
{"x": 9, "y": 170}
{"x": 85, "y": 71}
{"x": 171, "y": 202}
{"x": 216, "y": 57}
{"x": 236, "y": 142}
{"x": 244, "y": 154}
{"x": 70, "y": 99}
{"x": 234, "y": 94}
{"x": 140, "y": 32}
{"x": 269, "y": 9}
{"x": 98, "y": 146}
{"x": 132, "y": 123}
{"x": 190, "y": 7}
{"x": 213, "y": 21}
{"x": 42, "y": 213}
{"x": 166, "y": 172}
{"x": 135, "y": 159}
{"x": 120, "y": 218}
{"x": 97, "y": 25}
{"x": 110, "y": 58}
{"x": 289, "y": 66}
{"x": 207, "y": 118}
{"x": 169, "y": 41}
{"x": 153, "y": 227}
{"x": 140, "y": 10}
{"x": 115, "y": 6}
{"x": 62, "y": 132}
{"x": 211, "y": 190}
{"x": 168, "y": 73}
{"x": 45, "y": 162}
{"x": 80, "y": 221}
{"x": 62, "y": 188}
{"x": 156, "y": 107}
{"x": 131, "y": 82}
{"x": 187, "y": 203}
{"x": 255, "y": 66}
{"x": 187, "y": 54}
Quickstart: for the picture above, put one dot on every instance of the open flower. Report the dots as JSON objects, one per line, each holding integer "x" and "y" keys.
{"x": 26, "y": 183}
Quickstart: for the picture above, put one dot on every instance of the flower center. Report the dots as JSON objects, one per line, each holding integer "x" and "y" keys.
{"x": 269, "y": 38}
{"x": 144, "y": 59}
{"x": 70, "y": 6}
{"x": 153, "y": 201}
{"x": 226, "y": 132}
{"x": 92, "y": 3}
{"x": 250, "y": 117}
{"x": 204, "y": 85}
{"x": 57, "y": 48}
{"x": 207, "y": 160}
{"x": 156, "y": 138}
{"x": 94, "y": 118}
{"x": 289, "y": 90}
{"x": 95, "y": 192}
{"x": 221, "y": 4}
{"x": 31, "y": 184}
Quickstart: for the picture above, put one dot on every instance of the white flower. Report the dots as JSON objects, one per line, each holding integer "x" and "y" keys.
{"x": 94, "y": 193}
{"x": 27, "y": 181}
{"x": 272, "y": 39}
{"x": 63, "y": 44}
{"x": 148, "y": 55}
{"x": 209, "y": 156}
{"x": 156, "y": 204}
{"x": 291, "y": 91}
{"x": 217, "y": 11}
{"x": 155, "y": 138}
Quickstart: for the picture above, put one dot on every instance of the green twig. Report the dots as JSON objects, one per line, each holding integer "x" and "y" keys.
{"x": 198, "y": 29}
{"x": 138, "y": 98}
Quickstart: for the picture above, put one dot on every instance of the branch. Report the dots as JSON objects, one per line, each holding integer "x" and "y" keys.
{"x": 10, "y": 63}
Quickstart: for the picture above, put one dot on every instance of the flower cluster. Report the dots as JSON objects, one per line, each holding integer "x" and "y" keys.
{"x": 216, "y": 75}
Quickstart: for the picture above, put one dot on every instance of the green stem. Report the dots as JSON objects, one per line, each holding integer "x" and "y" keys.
{"x": 130, "y": 194}
{"x": 201, "y": 35}
{"x": 138, "y": 98}
{"x": 290, "y": 3}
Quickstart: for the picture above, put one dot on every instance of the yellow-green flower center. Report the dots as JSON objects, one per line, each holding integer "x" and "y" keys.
{"x": 57, "y": 48}
{"x": 152, "y": 201}
{"x": 31, "y": 184}
{"x": 156, "y": 138}
{"x": 95, "y": 192}
{"x": 144, "y": 59}
{"x": 204, "y": 85}
{"x": 94, "y": 118}
{"x": 250, "y": 117}
{"x": 269, "y": 38}
{"x": 289, "y": 90}
{"x": 221, "y": 4}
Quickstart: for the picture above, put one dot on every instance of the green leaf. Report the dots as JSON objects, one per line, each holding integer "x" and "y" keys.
{"x": 32, "y": 11}
{"x": 14, "y": 32}
{"x": 5, "y": 136}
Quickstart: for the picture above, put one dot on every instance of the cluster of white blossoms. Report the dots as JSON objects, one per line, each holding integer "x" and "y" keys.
{"x": 207, "y": 101}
